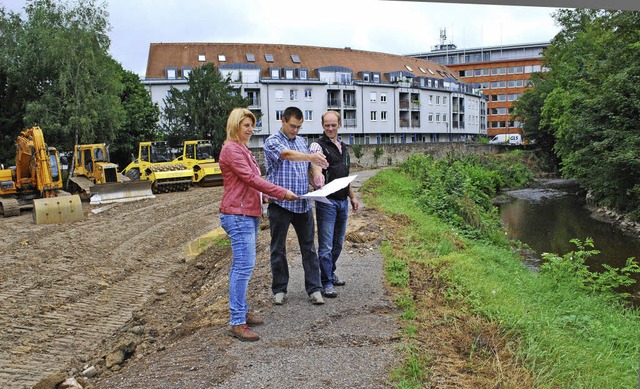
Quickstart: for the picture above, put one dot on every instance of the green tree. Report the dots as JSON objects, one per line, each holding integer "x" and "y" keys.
{"x": 141, "y": 119}
{"x": 201, "y": 110}
{"x": 592, "y": 101}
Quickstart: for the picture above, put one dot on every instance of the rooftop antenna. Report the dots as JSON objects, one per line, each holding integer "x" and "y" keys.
{"x": 443, "y": 36}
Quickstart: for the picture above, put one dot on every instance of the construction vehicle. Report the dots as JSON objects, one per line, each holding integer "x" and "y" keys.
{"x": 155, "y": 164}
{"x": 96, "y": 179}
{"x": 198, "y": 155}
{"x": 36, "y": 183}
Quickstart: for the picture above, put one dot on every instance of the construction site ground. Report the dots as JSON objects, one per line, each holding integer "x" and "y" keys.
{"x": 118, "y": 301}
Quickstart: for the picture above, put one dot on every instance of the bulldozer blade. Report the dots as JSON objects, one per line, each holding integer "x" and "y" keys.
{"x": 60, "y": 209}
{"x": 120, "y": 192}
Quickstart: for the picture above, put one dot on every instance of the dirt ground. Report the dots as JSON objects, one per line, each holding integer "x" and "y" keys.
{"x": 100, "y": 299}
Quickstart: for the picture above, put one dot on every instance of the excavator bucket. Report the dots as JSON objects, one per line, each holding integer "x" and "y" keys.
{"x": 60, "y": 209}
{"x": 120, "y": 192}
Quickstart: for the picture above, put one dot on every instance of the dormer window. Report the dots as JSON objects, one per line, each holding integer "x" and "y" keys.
{"x": 275, "y": 73}
{"x": 171, "y": 73}
{"x": 376, "y": 77}
{"x": 366, "y": 77}
{"x": 303, "y": 74}
{"x": 288, "y": 74}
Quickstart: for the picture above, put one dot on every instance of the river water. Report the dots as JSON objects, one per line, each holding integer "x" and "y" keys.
{"x": 548, "y": 216}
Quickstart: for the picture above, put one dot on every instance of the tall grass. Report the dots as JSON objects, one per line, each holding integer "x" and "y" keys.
{"x": 565, "y": 336}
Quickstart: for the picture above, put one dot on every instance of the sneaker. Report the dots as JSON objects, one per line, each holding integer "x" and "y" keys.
{"x": 253, "y": 320}
{"x": 337, "y": 281}
{"x": 243, "y": 332}
{"x": 278, "y": 298}
{"x": 316, "y": 298}
{"x": 330, "y": 292}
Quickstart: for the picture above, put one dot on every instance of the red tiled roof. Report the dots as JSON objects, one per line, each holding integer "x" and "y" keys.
{"x": 162, "y": 55}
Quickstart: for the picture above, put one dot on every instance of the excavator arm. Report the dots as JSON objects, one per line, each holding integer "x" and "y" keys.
{"x": 33, "y": 166}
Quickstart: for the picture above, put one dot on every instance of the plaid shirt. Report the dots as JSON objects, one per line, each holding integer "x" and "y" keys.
{"x": 288, "y": 174}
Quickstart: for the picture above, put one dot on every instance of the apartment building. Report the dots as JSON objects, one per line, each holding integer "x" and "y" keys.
{"x": 383, "y": 98}
{"x": 501, "y": 72}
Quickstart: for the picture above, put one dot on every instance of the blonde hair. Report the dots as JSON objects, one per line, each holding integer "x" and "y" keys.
{"x": 233, "y": 123}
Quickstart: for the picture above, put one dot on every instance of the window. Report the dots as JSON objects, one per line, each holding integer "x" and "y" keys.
{"x": 444, "y": 117}
{"x": 279, "y": 114}
{"x": 288, "y": 74}
{"x": 295, "y": 58}
{"x": 498, "y": 111}
{"x": 408, "y": 68}
{"x": 437, "y": 100}
{"x": 422, "y": 70}
{"x": 308, "y": 115}
{"x": 437, "y": 118}
{"x": 431, "y": 71}
{"x": 376, "y": 77}
{"x": 497, "y": 71}
{"x": 171, "y": 73}
{"x": 444, "y": 100}
{"x": 373, "y": 97}
{"x": 514, "y": 96}
{"x": 308, "y": 94}
{"x": 293, "y": 95}
{"x": 251, "y": 58}
{"x": 365, "y": 77}
{"x": 275, "y": 73}
{"x": 431, "y": 99}
{"x": 374, "y": 116}
{"x": 383, "y": 97}
{"x": 279, "y": 95}
{"x": 201, "y": 58}
{"x": 186, "y": 71}
{"x": 222, "y": 58}
{"x": 430, "y": 117}
{"x": 268, "y": 57}
{"x": 303, "y": 74}
{"x": 498, "y": 84}
{"x": 383, "y": 116}
{"x": 515, "y": 70}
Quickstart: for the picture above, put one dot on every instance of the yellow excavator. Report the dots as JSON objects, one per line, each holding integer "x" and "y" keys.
{"x": 95, "y": 178}
{"x": 198, "y": 155}
{"x": 36, "y": 183}
{"x": 154, "y": 163}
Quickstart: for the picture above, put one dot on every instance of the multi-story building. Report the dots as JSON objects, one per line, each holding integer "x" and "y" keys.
{"x": 383, "y": 98}
{"x": 501, "y": 72}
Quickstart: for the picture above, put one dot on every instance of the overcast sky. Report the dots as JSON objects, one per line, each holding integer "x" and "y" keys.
{"x": 374, "y": 25}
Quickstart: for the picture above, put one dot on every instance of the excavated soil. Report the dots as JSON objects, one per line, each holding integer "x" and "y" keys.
{"x": 116, "y": 301}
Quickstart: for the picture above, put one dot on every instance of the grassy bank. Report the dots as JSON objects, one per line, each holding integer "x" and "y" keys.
{"x": 498, "y": 322}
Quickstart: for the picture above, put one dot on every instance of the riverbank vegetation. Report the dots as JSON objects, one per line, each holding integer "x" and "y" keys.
{"x": 583, "y": 110}
{"x": 474, "y": 314}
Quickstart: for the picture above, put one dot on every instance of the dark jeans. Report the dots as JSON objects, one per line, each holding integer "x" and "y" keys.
{"x": 279, "y": 221}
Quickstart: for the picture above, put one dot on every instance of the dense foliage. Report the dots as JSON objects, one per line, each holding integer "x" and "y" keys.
{"x": 586, "y": 106}
{"x": 201, "y": 110}
{"x": 459, "y": 190}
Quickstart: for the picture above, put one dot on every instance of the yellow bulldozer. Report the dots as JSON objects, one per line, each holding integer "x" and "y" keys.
{"x": 95, "y": 178}
{"x": 198, "y": 156}
{"x": 155, "y": 163}
{"x": 35, "y": 182}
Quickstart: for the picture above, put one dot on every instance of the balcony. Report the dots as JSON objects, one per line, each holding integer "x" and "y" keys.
{"x": 333, "y": 103}
{"x": 404, "y": 104}
{"x": 254, "y": 102}
{"x": 351, "y": 123}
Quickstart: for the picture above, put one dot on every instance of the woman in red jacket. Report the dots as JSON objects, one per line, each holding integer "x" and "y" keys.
{"x": 240, "y": 210}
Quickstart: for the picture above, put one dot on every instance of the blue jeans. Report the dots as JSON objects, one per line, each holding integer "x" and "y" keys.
{"x": 332, "y": 226}
{"x": 279, "y": 221}
{"x": 242, "y": 230}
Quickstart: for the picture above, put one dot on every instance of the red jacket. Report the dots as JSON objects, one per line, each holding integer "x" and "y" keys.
{"x": 242, "y": 182}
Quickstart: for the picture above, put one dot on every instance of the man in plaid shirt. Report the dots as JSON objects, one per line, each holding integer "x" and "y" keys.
{"x": 288, "y": 161}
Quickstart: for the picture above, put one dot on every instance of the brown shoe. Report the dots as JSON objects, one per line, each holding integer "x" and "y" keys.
{"x": 253, "y": 320}
{"x": 243, "y": 332}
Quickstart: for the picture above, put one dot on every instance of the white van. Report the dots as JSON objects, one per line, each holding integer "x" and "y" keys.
{"x": 512, "y": 139}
